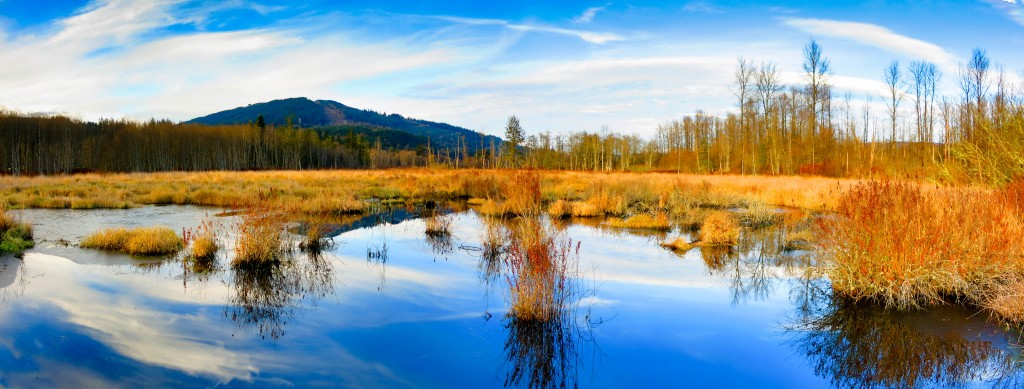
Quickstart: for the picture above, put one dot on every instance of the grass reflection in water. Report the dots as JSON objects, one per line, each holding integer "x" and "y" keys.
{"x": 860, "y": 346}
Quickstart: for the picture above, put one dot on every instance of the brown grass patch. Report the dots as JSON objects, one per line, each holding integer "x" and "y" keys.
{"x": 136, "y": 241}
{"x": 679, "y": 244}
{"x": 560, "y": 209}
{"x": 643, "y": 221}
{"x": 906, "y": 247}
{"x": 203, "y": 245}
{"x": 720, "y": 228}
{"x": 259, "y": 237}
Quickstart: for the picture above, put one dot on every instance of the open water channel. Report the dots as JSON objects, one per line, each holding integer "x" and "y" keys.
{"x": 389, "y": 306}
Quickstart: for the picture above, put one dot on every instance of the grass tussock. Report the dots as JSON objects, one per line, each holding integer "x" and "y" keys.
{"x": 680, "y": 244}
{"x": 560, "y": 209}
{"x": 720, "y": 228}
{"x": 135, "y": 241}
{"x": 520, "y": 196}
{"x": 540, "y": 262}
{"x": 905, "y": 246}
{"x": 758, "y": 215}
{"x": 260, "y": 237}
{"x": 643, "y": 221}
{"x": 15, "y": 235}
{"x": 202, "y": 243}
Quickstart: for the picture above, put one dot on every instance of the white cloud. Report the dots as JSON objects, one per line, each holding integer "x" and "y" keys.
{"x": 877, "y": 36}
{"x": 598, "y": 38}
{"x": 1013, "y": 9}
{"x": 588, "y": 15}
{"x": 127, "y": 326}
{"x": 104, "y": 62}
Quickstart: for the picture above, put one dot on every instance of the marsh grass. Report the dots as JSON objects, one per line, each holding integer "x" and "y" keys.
{"x": 903, "y": 246}
{"x": 203, "y": 244}
{"x": 720, "y": 228}
{"x": 659, "y": 221}
{"x": 144, "y": 241}
{"x": 560, "y": 209}
{"x": 540, "y": 263}
{"x": 686, "y": 199}
{"x": 679, "y": 244}
{"x": 15, "y": 235}
{"x": 260, "y": 236}
{"x": 757, "y": 214}
{"x": 520, "y": 196}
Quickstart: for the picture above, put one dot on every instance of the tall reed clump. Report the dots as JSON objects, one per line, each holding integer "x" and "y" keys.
{"x": 15, "y": 235}
{"x": 520, "y": 196}
{"x": 202, "y": 243}
{"x": 259, "y": 236}
{"x": 135, "y": 241}
{"x": 720, "y": 228}
{"x": 905, "y": 247}
{"x": 540, "y": 263}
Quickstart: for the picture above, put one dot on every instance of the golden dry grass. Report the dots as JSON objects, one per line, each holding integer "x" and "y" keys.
{"x": 260, "y": 238}
{"x": 540, "y": 262}
{"x": 204, "y": 247}
{"x": 341, "y": 191}
{"x": 136, "y": 241}
{"x": 679, "y": 244}
{"x": 720, "y": 228}
{"x": 643, "y": 221}
{"x": 202, "y": 242}
{"x": 560, "y": 209}
{"x": 906, "y": 247}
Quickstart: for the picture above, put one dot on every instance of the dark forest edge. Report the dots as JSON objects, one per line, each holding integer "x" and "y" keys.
{"x": 803, "y": 130}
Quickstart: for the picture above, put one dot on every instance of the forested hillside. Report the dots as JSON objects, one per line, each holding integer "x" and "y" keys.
{"x": 327, "y": 116}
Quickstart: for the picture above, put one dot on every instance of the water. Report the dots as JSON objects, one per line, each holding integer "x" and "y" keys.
{"x": 386, "y": 306}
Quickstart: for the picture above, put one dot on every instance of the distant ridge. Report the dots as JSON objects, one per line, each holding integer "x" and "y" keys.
{"x": 334, "y": 118}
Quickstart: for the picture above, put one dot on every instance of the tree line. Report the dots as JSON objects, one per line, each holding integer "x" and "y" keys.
{"x": 57, "y": 144}
{"x": 973, "y": 134}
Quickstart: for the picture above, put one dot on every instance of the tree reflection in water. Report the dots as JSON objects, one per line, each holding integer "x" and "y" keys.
{"x": 756, "y": 265}
{"x": 861, "y": 346}
{"x": 13, "y": 279}
{"x": 267, "y": 294}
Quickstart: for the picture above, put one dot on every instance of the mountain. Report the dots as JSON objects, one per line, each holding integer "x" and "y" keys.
{"x": 334, "y": 118}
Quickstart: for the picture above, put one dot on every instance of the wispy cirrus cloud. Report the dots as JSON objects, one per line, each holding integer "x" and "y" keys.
{"x": 598, "y": 38}
{"x": 876, "y": 36}
{"x": 588, "y": 15}
{"x": 1014, "y": 9}
{"x": 116, "y": 58}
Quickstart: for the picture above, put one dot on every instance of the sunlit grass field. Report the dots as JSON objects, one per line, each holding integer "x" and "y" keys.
{"x": 344, "y": 191}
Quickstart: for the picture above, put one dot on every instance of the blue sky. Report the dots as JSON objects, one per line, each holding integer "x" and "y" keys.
{"x": 560, "y": 66}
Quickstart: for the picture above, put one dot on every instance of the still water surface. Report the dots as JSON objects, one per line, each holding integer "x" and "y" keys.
{"x": 388, "y": 306}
